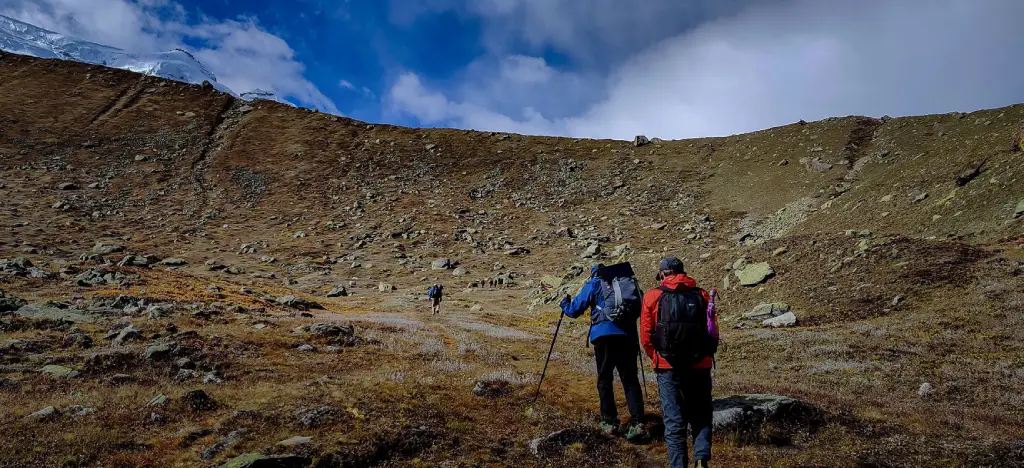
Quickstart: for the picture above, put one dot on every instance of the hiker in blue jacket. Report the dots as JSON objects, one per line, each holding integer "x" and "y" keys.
{"x": 616, "y": 346}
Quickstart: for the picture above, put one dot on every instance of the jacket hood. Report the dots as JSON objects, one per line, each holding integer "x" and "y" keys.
{"x": 593, "y": 270}
{"x": 675, "y": 281}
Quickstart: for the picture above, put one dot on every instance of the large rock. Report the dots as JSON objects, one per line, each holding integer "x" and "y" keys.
{"x": 10, "y": 303}
{"x": 640, "y": 140}
{"x": 754, "y": 417}
{"x": 592, "y": 250}
{"x": 198, "y": 401}
{"x": 317, "y": 416}
{"x": 385, "y": 287}
{"x": 767, "y": 311}
{"x": 441, "y": 264}
{"x": 296, "y": 302}
{"x": 754, "y": 274}
{"x": 46, "y": 311}
{"x": 785, "y": 320}
{"x": 1019, "y": 211}
{"x": 338, "y": 291}
{"x": 460, "y": 272}
{"x": 44, "y": 414}
{"x": 129, "y": 333}
{"x": 103, "y": 248}
{"x": 259, "y": 460}
{"x": 158, "y": 352}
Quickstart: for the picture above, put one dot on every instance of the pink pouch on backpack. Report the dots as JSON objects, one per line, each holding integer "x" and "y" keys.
{"x": 712, "y": 326}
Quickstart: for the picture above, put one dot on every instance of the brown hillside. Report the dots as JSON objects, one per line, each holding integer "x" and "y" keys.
{"x": 901, "y": 266}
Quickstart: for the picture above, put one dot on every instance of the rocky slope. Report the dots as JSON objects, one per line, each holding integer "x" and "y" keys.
{"x": 887, "y": 251}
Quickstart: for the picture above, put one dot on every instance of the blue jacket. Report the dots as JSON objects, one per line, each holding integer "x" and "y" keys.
{"x": 590, "y": 298}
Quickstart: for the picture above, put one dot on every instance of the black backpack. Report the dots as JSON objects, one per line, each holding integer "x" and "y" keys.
{"x": 681, "y": 335}
{"x": 436, "y": 292}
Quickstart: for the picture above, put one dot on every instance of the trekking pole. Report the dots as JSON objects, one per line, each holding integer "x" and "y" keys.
{"x": 643, "y": 376}
{"x": 561, "y": 315}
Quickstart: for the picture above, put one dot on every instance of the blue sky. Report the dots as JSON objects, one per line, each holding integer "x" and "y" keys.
{"x": 594, "y": 68}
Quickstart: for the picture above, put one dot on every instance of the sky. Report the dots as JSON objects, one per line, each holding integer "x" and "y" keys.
{"x": 582, "y": 68}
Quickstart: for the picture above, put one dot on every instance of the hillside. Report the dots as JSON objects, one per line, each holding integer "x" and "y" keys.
{"x": 121, "y": 192}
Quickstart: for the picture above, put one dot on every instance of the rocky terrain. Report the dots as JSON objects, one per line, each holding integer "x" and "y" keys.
{"x": 191, "y": 279}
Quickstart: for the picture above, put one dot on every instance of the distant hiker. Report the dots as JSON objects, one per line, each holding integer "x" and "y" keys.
{"x": 434, "y": 295}
{"x": 614, "y": 335}
{"x": 679, "y": 332}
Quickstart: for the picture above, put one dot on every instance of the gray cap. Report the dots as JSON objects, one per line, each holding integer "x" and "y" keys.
{"x": 672, "y": 264}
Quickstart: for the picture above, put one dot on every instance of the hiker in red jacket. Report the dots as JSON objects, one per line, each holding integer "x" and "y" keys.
{"x": 679, "y": 332}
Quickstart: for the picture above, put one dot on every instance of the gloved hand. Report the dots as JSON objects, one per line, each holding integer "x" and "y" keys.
{"x": 566, "y": 301}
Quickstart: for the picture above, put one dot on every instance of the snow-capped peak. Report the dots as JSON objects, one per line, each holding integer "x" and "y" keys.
{"x": 22, "y": 38}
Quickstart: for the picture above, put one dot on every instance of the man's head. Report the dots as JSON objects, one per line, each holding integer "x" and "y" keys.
{"x": 670, "y": 266}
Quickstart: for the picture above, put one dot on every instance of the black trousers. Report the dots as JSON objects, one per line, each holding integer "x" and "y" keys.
{"x": 618, "y": 352}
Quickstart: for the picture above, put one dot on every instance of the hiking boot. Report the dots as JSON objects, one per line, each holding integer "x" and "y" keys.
{"x": 636, "y": 431}
{"x": 700, "y": 464}
{"x": 608, "y": 428}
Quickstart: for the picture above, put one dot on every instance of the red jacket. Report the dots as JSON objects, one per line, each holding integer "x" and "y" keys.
{"x": 649, "y": 319}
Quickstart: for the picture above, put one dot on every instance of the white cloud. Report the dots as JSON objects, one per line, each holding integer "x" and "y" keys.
{"x": 346, "y": 84}
{"x": 768, "y": 65}
{"x": 243, "y": 55}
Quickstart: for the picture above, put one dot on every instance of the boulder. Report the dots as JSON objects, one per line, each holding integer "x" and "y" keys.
{"x": 460, "y": 272}
{"x": 640, "y": 140}
{"x": 385, "y": 287}
{"x": 156, "y": 312}
{"x": 1019, "y": 211}
{"x": 10, "y": 303}
{"x": 592, "y": 250}
{"x": 67, "y": 186}
{"x": 767, "y": 311}
{"x": 129, "y": 333}
{"x": 173, "y": 262}
{"x": 306, "y": 348}
{"x": 754, "y": 274}
{"x": 785, "y": 320}
{"x": 441, "y": 264}
{"x": 59, "y": 372}
{"x": 47, "y": 311}
{"x": 233, "y": 438}
{"x": 338, "y": 291}
{"x": 925, "y": 390}
{"x": 758, "y": 416}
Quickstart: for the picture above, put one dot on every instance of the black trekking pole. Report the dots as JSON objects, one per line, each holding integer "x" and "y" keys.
{"x": 561, "y": 315}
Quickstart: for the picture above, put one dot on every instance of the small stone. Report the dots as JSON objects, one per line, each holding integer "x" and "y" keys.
{"x": 338, "y": 291}
{"x": 441, "y": 264}
{"x": 306, "y": 348}
{"x": 885, "y": 199}
{"x": 925, "y": 390}
{"x": 1019, "y": 211}
{"x": 198, "y": 400}
{"x": 920, "y": 198}
{"x": 67, "y": 186}
{"x": 460, "y": 272}
{"x": 779, "y": 251}
{"x": 174, "y": 262}
{"x": 185, "y": 363}
{"x": 157, "y": 401}
{"x": 156, "y": 312}
{"x": 897, "y": 300}
{"x": 185, "y": 375}
{"x": 385, "y": 287}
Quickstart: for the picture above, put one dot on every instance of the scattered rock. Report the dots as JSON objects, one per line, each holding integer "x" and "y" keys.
{"x": 966, "y": 177}
{"x": 460, "y": 272}
{"x": 766, "y": 311}
{"x": 198, "y": 401}
{"x": 385, "y": 287}
{"x": 338, "y": 291}
{"x": 920, "y": 198}
{"x": 592, "y": 250}
{"x": 757, "y": 416}
{"x": 156, "y": 312}
{"x": 491, "y": 388}
{"x": 925, "y": 390}
{"x": 233, "y": 438}
{"x": 553, "y": 443}
{"x": 44, "y": 414}
{"x": 779, "y": 251}
{"x": 441, "y": 264}
{"x": 817, "y": 165}
{"x": 298, "y": 303}
{"x": 184, "y": 375}
{"x": 1019, "y": 210}
{"x": 129, "y": 333}
{"x": 59, "y": 372}
{"x": 157, "y": 401}
{"x": 306, "y": 348}
{"x": 754, "y": 274}
{"x": 295, "y": 440}
{"x": 103, "y": 248}
{"x": 259, "y": 460}
{"x": 158, "y": 352}
{"x": 316, "y": 417}
{"x": 67, "y": 186}
{"x": 785, "y": 320}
